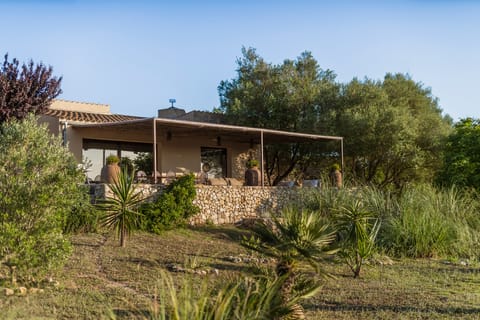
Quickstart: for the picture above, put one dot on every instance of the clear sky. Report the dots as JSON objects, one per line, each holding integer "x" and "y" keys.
{"x": 135, "y": 55}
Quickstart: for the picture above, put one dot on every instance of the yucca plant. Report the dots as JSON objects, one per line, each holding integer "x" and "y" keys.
{"x": 121, "y": 208}
{"x": 295, "y": 239}
{"x": 357, "y": 229}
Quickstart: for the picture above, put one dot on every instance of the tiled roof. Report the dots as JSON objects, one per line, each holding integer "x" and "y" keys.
{"x": 88, "y": 117}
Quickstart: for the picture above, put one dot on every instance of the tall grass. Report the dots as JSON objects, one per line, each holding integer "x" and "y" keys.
{"x": 430, "y": 222}
{"x": 422, "y": 221}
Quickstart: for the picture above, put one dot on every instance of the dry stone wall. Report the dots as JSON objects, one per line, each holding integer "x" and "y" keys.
{"x": 224, "y": 204}
{"x": 231, "y": 204}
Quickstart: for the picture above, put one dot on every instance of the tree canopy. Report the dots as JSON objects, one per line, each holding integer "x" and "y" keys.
{"x": 288, "y": 96}
{"x": 29, "y": 88}
{"x": 393, "y": 128}
{"x": 461, "y": 164}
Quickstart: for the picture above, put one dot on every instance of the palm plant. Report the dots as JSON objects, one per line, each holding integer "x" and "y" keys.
{"x": 120, "y": 208}
{"x": 358, "y": 229}
{"x": 243, "y": 298}
{"x": 295, "y": 239}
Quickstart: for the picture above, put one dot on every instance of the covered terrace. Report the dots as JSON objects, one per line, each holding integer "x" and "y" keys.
{"x": 180, "y": 143}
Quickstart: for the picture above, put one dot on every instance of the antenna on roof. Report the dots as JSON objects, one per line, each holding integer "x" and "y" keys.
{"x": 172, "y": 101}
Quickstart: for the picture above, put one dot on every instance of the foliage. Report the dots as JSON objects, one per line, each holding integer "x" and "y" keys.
{"x": 121, "y": 207}
{"x": 84, "y": 216}
{"x": 26, "y": 89}
{"x": 252, "y": 163}
{"x": 144, "y": 162}
{"x": 431, "y": 222}
{"x": 173, "y": 207}
{"x": 112, "y": 159}
{"x": 401, "y": 130}
{"x": 241, "y": 299}
{"x": 295, "y": 239}
{"x": 421, "y": 221}
{"x": 126, "y": 164}
{"x": 289, "y": 96}
{"x": 357, "y": 231}
{"x": 393, "y": 129}
{"x": 461, "y": 165}
{"x": 39, "y": 186}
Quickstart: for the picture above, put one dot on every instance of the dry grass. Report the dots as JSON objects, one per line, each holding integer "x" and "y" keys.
{"x": 105, "y": 281}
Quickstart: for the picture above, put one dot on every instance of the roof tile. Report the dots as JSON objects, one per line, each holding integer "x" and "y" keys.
{"x": 89, "y": 117}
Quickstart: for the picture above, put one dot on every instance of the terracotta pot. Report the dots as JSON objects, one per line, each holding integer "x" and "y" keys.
{"x": 253, "y": 177}
{"x": 109, "y": 173}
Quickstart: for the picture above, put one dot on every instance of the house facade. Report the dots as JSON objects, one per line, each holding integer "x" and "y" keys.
{"x": 176, "y": 141}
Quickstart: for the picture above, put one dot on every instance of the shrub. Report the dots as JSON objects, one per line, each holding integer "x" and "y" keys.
{"x": 39, "y": 186}
{"x": 83, "y": 217}
{"x": 172, "y": 208}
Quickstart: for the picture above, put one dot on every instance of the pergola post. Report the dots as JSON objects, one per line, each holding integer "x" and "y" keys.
{"x": 262, "y": 171}
{"x": 341, "y": 155}
{"x": 154, "y": 151}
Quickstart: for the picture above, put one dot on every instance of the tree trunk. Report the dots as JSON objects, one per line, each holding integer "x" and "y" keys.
{"x": 122, "y": 238}
{"x": 284, "y": 268}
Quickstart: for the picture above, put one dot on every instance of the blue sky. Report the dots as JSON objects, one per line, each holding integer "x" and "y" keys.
{"x": 135, "y": 55}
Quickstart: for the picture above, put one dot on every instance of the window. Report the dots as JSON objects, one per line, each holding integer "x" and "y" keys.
{"x": 214, "y": 162}
{"x": 96, "y": 151}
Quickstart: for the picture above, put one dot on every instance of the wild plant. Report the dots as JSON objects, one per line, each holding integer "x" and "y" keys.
{"x": 296, "y": 239}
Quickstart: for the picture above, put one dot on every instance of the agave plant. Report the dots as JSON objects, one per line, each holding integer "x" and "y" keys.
{"x": 295, "y": 239}
{"x": 121, "y": 207}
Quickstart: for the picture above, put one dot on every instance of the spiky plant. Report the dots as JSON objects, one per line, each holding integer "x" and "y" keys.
{"x": 243, "y": 298}
{"x": 295, "y": 239}
{"x": 358, "y": 229}
{"x": 121, "y": 207}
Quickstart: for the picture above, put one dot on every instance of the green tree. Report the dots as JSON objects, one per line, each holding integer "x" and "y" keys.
{"x": 393, "y": 130}
{"x": 295, "y": 239}
{"x": 39, "y": 186}
{"x": 121, "y": 207}
{"x": 461, "y": 163}
{"x": 26, "y": 89}
{"x": 290, "y": 96}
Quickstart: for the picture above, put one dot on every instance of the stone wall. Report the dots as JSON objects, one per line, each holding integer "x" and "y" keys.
{"x": 230, "y": 204}
{"x": 149, "y": 191}
{"x": 223, "y": 204}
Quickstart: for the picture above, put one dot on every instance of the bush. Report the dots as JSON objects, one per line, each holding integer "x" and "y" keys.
{"x": 39, "y": 186}
{"x": 83, "y": 217}
{"x": 172, "y": 208}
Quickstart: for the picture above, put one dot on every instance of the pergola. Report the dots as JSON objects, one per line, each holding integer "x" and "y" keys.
{"x": 169, "y": 127}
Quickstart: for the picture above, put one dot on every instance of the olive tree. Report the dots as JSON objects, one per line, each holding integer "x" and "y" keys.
{"x": 293, "y": 96}
{"x": 39, "y": 185}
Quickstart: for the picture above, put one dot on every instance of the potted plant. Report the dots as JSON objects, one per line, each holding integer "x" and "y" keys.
{"x": 252, "y": 175}
{"x": 336, "y": 176}
{"x": 111, "y": 170}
